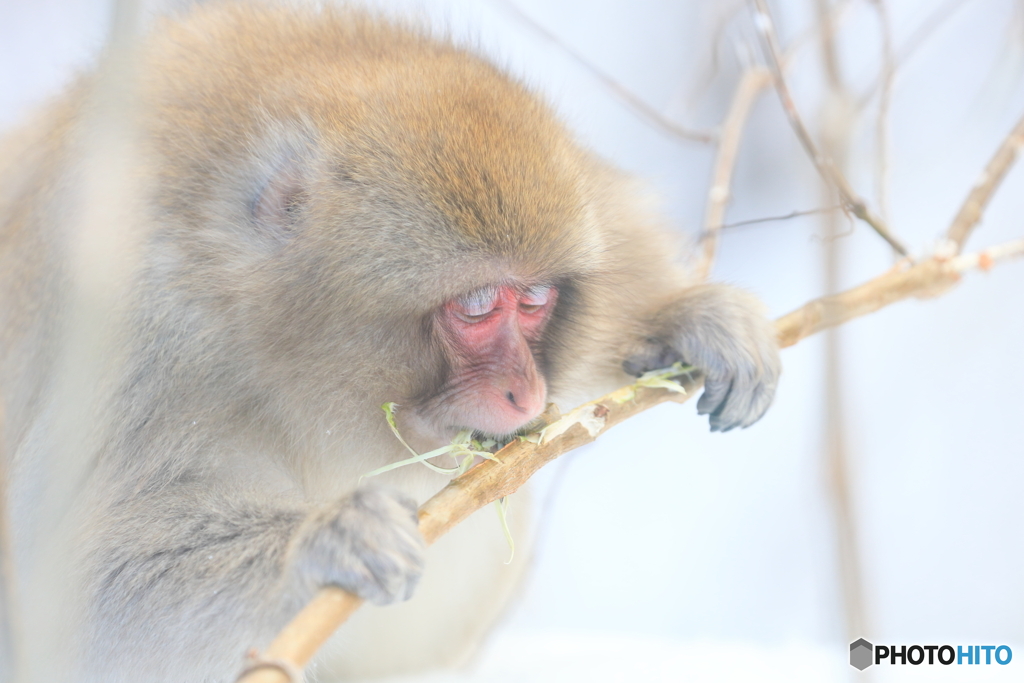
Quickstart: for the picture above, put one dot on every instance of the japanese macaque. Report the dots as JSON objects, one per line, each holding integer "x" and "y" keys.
{"x": 330, "y": 212}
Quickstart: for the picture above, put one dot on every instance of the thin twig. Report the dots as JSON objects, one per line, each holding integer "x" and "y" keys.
{"x": 918, "y": 38}
{"x": 786, "y": 217}
{"x": 827, "y": 34}
{"x": 638, "y": 105}
{"x": 749, "y": 87}
{"x": 973, "y": 207}
{"x": 747, "y": 90}
{"x": 887, "y": 77}
{"x": 832, "y": 175}
{"x": 836, "y": 15}
{"x": 927, "y": 27}
{"x": 490, "y": 480}
{"x": 685, "y": 102}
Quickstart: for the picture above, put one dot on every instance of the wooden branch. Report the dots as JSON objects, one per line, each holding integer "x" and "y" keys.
{"x": 464, "y": 495}
{"x": 928, "y": 278}
{"x": 749, "y": 87}
{"x": 826, "y": 168}
{"x": 488, "y": 481}
{"x": 985, "y": 187}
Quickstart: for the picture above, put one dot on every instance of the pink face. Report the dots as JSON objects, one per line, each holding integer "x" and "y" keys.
{"x": 495, "y": 386}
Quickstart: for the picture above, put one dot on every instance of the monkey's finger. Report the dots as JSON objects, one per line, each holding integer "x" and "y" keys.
{"x": 728, "y": 415}
{"x": 760, "y": 400}
{"x": 762, "y": 391}
{"x": 747, "y": 401}
{"x": 391, "y": 564}
{"x": 368, "y": 544}
{"x": 410, "y": 506}
{"x": 734, "y": 406}
{"x": 651, "y": 355}
{"x": 716, "y": 392}
{"x": 392, "y": 577}
{"x": 735, "y": 411}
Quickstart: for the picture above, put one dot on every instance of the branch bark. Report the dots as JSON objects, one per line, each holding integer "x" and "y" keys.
{"x": 973, "y": 207}
{"x": 750, "y": 86}
{"x": 488, "y": 481}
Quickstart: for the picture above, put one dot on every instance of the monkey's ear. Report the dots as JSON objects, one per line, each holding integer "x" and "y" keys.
{"x": 281, "y": 198}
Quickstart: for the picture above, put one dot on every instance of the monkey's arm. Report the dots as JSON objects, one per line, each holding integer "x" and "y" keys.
{"x": 720, "y": 330}
{"x": 723, "y": 332}
{"x": 657, "y": 314}
{"x": 237, "y": 568}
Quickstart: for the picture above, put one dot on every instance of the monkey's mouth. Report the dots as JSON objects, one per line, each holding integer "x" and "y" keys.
{"x": 499, "y": 441}
{"x": 496, "y": 443}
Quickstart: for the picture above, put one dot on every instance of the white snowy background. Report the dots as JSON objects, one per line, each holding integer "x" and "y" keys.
{"x": 668, "y": 553}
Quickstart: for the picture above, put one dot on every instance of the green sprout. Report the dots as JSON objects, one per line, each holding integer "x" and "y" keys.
{"x": 660, "y": 379}
{"x": 501, "y": 505}
{"x": 463, "y": 449}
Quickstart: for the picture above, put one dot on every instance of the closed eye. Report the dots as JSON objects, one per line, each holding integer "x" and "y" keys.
{"x": 476, "y": 306}
{"x": 474, "y": 318}
{"x": 535, "y": 298}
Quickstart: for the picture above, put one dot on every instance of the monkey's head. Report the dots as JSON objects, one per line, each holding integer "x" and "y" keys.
{"x": 375, "y": 226}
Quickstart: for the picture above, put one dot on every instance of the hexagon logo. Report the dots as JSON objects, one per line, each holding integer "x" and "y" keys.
{"x": 861, "y": 654}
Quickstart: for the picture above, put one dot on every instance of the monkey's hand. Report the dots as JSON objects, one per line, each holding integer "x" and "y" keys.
{"x": 367, "y": 543}
{"x": 723, "y": 332}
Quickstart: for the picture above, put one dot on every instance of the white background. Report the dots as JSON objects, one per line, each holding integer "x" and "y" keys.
{"x": 668, "y": 552}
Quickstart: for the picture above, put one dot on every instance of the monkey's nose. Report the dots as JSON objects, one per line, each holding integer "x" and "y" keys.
{"x": 525, "y": 397}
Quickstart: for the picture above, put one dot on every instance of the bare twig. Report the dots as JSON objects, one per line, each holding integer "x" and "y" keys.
{"x": 830, "y": 21}
{"x": 986, "y": 258}
{"x": 887, "y": 78}
{"x": 785, "y": 217}
{"x": 751, "y": 83}
{"x": 638, "y": 105}
{"x": 985, "y": 187}
{"x": 836, "y": 15}
{"x": 683, "y": 101}
{"x": 928, "y": 27}
{"x": 928, "y": 278}
{"x": 836, "y": 132}
{"x": 490, "y": 480}
{"x": 826, "y": 34}
{"x": 750, "y": 86}
{"x": 828, "y": 170}
{"x": 918, "y": 38}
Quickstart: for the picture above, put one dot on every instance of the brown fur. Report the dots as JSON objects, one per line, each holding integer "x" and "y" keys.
{"x": 262, "y": 342}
